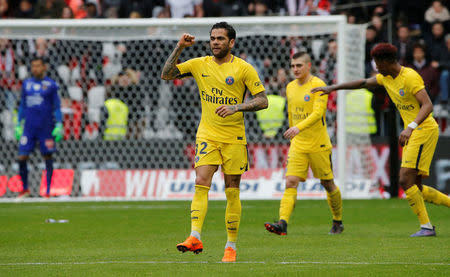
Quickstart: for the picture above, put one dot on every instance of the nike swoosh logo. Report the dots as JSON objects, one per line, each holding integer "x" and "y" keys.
{"x": 229, "y": 222}
{"x": 241, "y": 167}
{"x": 205, "y": 75}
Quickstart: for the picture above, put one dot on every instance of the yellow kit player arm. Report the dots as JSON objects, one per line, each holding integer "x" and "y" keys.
{"x": 319, "y": 108}
{"x": 426, "y": 107}
{"x": 170, "y": 71}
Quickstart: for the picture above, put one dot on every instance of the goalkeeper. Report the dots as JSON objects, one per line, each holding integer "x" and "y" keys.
{"x": 310, "y": 145}
{"x": 39, "y": 119}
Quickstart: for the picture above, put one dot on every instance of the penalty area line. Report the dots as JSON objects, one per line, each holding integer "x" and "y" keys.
{"x": 238, "y": 262}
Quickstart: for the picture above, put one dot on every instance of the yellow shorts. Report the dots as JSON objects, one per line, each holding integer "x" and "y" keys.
{"x": 320, "y": 162}
{"x": 419, "y": 150}
{"x": 232, "y": 157}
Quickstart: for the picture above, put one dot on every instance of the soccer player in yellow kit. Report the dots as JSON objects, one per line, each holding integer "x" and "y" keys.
{"x": 222, "y": 81}
{"x": 310, "y": 145}
{"x": 419, "y": 138}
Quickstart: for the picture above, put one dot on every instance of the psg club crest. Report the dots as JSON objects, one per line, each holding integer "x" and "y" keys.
{"x": 401, "y": 92}
{"x": 229, "y": 80}
{"x": 307, "y": 98}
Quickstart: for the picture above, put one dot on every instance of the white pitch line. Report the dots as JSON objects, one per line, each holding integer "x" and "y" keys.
{"x": 239, "y": 262}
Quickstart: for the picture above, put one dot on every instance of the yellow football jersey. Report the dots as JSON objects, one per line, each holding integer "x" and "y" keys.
{"x": 218, "y": 85}
{"x": 402, "y": 90}
{"x": 307, "y": 110}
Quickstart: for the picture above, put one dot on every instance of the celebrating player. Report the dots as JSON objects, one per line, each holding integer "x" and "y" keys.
{"x": 419, "y": 138}
{"x": 222, "y": 80}
{"x": 310, "y": 144}
{"x": 40, "y": 120}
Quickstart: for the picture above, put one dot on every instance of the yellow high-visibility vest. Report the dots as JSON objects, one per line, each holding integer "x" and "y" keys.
{"x": 271, "y": 119}
{"x": 359, "y": 115}
{"x": 117, "y": 122}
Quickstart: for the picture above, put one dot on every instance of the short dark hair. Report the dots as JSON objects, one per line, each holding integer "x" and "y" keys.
{"x": 419, "y": 45}
{"x": 231, "y": 33}
{"x": 299, "y": 55}
{"x": 384, "y": 52}
{"x": 38, "y": 58}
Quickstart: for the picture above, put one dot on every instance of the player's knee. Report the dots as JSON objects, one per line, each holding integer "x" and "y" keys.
{"x": 202, "y": 181}
{"x": 293, "y": 182}
{"x": 328, "y": 185}
{"x": 407, "y": 178}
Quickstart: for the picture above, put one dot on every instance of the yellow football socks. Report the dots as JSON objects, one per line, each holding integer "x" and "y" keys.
{"x": 335, "y": 203}
{"x": 287, "y": 203}
{"x": 199, "y": 207}
{"x": 415, "y": 200}
{"x": 434, "y": 196}
{"x": 232, "y": 213}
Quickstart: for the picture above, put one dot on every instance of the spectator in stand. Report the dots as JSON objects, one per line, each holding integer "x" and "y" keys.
{"x": 371, "y": 40}
{"x": 5, "y": 10}
{"x": 429, "y": 74}
{"x": 25, "y": 9}
{"x": 444, "y": 66}
{"x": 436, "y": 43}
{"x": 308, "y": 7}
{"x": 49, "y": 8}
{"x": 8, "y": 85}
{"x": 277, "y": 84}
{"x": 327, "y": 62}
{"x": 404, "y": 44}
{"x": 261, "y": 8}
{"x": 91, "y": 10}
{"x": 144, "y": 7}
{"x": 437, "y": 12}
{"x": 184, "y": 8}
{"x": 67, "y": 13}
{"x": 126, "y": 87}
{"x": 377, "y": 22}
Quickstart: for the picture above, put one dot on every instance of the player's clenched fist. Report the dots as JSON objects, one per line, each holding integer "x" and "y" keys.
{"x": 186, "y": 40}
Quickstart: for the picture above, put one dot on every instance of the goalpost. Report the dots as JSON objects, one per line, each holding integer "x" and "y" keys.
{"x": 99, "y": 58}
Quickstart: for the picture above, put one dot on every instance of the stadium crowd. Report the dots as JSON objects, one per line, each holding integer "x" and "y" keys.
{"x": 121, "y": 69}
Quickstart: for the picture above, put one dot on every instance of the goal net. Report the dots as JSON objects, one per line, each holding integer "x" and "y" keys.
{"x": 96, "y": 60}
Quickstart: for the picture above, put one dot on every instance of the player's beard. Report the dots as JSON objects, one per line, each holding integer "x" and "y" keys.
{"x": 222, "y": 54}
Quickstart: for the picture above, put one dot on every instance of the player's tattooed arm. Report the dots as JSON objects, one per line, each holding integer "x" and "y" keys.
{"x": 259, "y": 102}
{"x": 170, "y": 71}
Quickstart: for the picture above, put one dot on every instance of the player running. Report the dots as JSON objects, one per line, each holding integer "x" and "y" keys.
{"x": 310, "y": 145}
{"x": 39, "y": 119}
{"x": 222, "y": 80}
{"x": 419, "y": 138}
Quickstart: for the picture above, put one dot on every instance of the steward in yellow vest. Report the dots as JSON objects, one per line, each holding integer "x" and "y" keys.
{"x": 359, "y": 116}
{"x": 117, "y": 122}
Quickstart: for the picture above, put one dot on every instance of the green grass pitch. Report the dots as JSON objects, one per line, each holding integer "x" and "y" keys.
{"x": 139, "y": 238}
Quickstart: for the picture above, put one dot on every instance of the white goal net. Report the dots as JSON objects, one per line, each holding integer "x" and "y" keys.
{"x": 94, "y": 60}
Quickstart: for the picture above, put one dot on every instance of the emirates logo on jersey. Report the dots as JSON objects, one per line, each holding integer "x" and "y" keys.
{"x": 401, "y": 92}
{"x": 229, "y": 80}
{"x": 307, "y": 98}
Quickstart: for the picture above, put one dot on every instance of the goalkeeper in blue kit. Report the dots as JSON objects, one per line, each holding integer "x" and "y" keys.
{"x": 39, "y": 119}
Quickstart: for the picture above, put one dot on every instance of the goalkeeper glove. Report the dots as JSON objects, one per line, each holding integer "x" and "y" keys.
{"x": 18, "y": 131}
{"x": 58, "y": 132}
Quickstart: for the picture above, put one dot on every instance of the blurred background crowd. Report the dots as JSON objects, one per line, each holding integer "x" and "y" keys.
{"x": 90, "y": 72}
